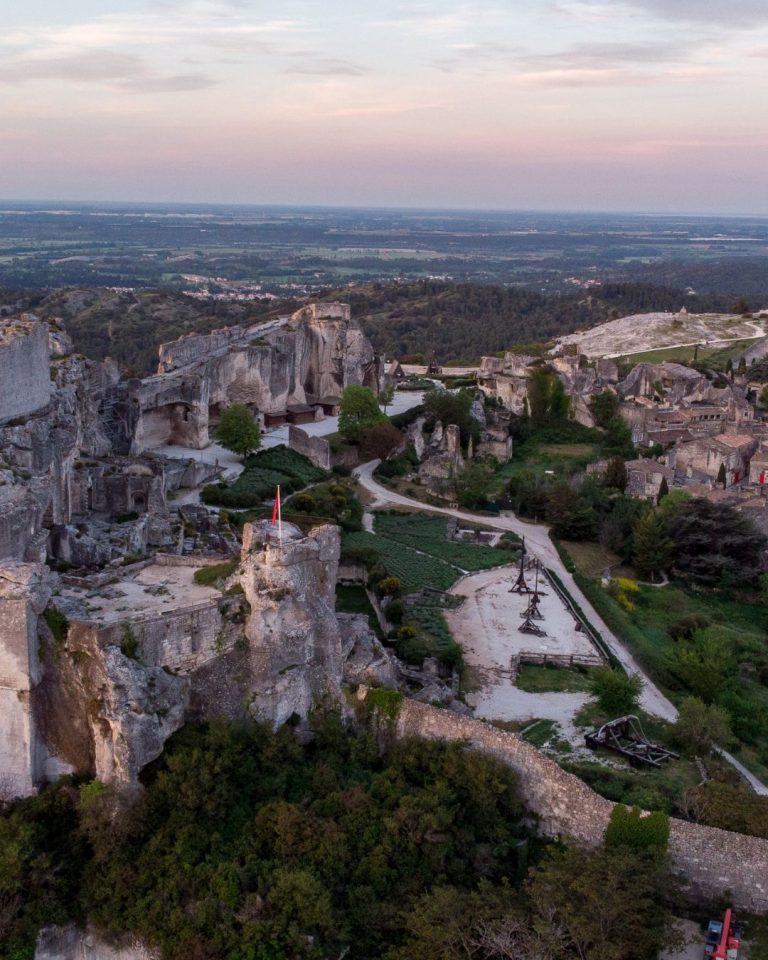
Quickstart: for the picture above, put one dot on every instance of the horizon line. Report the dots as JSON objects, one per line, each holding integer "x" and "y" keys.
{"x": 391, "y": 208}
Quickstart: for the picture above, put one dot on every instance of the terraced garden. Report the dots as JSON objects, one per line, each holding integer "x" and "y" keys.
{"x": 262, "y": 473}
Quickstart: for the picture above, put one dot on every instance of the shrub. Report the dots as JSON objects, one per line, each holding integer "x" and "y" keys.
{"x": 616, "y": 692}
{"x": 210, "y": 575}
{"x": 57, "y": 623}
{"x": 628, "y": 828}
{"x": 388, "y": 587}
{"x": 130, "y": 645}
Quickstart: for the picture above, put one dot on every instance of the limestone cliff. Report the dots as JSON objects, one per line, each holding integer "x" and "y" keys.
{"x": 294, "y": 653}
{"x": 306, "y": 359}
{"x": 24, "y": 592}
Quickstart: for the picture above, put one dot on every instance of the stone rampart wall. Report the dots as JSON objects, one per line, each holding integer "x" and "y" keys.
{"x": 316, "y": 449}
{"x": 25, "y": 381}
{"x": 180, "y": 560}
{"x": 718, "y": 864}
{"x": 181, "y": 640}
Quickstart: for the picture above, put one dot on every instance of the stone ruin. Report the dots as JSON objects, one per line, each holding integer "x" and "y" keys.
{"x": 104, "y": 649}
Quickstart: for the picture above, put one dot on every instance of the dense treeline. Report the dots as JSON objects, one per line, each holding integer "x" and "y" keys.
{"x": 247, "y": 845}
{"x": 463, "y": 321}
{"x": 129, "y": 326}
{"x": 466, "y": 321}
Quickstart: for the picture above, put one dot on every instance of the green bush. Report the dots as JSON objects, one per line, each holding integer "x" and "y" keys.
{"x": 616, "y": 692}
{"x": 211, "y": 575}
{"x": 628, "y": 828}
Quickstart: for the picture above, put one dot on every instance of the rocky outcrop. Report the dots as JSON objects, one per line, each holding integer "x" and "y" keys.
{"x": 294, "y": 652}
{"x": 24, "y": 592}
{"x": 443, "y": 460}
{"x": 70, "y": 943}
{"x": 305, "y": 360}
{"x": 25, "y": 386}
{"x": 366, "y": 661}
{"x": 39, "y": 450}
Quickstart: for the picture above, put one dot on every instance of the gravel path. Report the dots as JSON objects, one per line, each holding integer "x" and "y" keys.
{"x": 538, "y": 544}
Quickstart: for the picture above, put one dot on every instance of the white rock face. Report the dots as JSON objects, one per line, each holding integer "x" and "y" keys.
{"x": 294, "y": 644}
{"x": 69, "y": 943}
{"x": 24, "y": 592}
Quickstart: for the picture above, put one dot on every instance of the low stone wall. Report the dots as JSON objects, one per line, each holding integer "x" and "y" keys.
{"x": 181, "y": 560}
{"x": 717, "y": 864}
{"x": 350, "y": 572}
{"x": 316, "y": 449}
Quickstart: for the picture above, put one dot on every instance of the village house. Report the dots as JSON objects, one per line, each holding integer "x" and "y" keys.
{"x": 706, "y": 457}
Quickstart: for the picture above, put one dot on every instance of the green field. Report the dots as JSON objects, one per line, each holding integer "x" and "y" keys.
{"x": 544, "y": 679}
{"x": 714, "y": 355}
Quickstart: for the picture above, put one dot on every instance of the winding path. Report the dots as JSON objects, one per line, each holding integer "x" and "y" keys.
{"x": 538, "y": 543}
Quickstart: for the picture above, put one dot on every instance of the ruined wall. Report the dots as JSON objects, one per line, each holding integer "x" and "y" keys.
{"x": 714, "y": 861}
{"x": 25, "y": 384}
{"x": 24, "y": 592}
{"x": 316, "y": 449}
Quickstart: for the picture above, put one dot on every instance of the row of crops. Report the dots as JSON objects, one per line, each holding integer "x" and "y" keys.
{"x": 428, "y": 534}
{"x": 414, "y": 570}
{"x": 262, "y": 473}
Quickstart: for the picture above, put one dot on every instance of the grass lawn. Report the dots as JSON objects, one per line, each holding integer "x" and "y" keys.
{"x": 352, "y": 598}
{"x": 590, "y": 558}
{"x": 543, "y": 679}
{"x": 716, "y": 355}
{"x": 563, "y": 459}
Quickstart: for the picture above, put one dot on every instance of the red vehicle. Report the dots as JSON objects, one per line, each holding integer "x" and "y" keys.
{"x": 723, "y": 938}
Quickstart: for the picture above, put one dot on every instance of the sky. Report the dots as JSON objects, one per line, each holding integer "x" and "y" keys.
{"x": 627, "y": 105}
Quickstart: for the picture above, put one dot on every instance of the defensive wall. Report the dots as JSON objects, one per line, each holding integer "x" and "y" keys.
{"x": 717, "y": 864}
{"x": 182, "y": 639}
{"x": 25, "y": 380}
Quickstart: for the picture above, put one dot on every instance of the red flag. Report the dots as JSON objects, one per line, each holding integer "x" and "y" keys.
{"x": 762, "y": 476}
{"x": 276, "y": 508}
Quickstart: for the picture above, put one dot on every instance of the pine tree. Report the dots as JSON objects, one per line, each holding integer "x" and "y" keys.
{"x": 652, "y": 546}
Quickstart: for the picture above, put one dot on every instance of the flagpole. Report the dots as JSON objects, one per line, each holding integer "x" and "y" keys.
{"x": 279, "y": 518}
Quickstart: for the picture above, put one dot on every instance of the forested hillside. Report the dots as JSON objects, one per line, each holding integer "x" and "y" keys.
{"x": 129, "y": 326}
{"x": 463, "y": 321}
{"x": 467, "y": 321}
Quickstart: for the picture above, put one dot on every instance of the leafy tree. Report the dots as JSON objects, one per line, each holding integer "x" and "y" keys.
{"x": 652, "y": 547}
{"x": 700, "y": 726}
{"x": 238, "y": 430}
{"x": 386, "y": 396}
{"x": 618, "y": 438}
{"x": 710, "y": 539}
{"x": 571, "y": 516}
{"x": 604, "y": 407}
{"x": 546, "y": 397}
{"x": 628, "y": 828}
{"x": 705, "y": 663}
{"x": 608, "y": 903}
{"x": 477, "y": 483}
{"x": 663, "y": 490}
{"x": 379, "y": 441}
{"x": 617, "y": 693}
{"x": 359, "y": 411}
